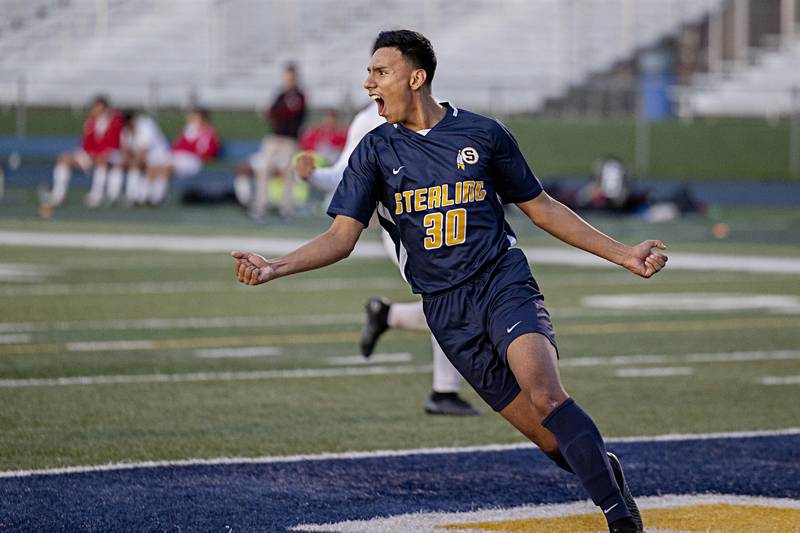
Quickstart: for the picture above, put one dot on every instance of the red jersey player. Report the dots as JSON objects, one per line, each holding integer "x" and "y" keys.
{"x": 197, "y": 143}
{"x": 100, "y": 144}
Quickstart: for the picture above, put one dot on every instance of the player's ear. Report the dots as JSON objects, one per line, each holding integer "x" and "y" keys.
{"x": 418, "y": 79}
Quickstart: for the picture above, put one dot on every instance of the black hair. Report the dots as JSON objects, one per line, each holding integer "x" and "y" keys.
{"x": 202, "y": 111}
{"x": 127, "y": 116}
{"x": 101, "y": 99}
{"x": 413, "y": 45}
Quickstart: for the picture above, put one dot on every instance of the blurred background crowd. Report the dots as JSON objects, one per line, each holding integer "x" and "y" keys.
{"x": 634, "y": 106}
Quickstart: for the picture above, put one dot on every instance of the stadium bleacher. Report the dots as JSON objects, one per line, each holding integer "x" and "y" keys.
{"x": 768, "y": 87}
{"x": 229, "y": 54}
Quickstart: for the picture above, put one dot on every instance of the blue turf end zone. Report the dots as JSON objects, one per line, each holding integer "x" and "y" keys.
{"x": 275, "y": 496}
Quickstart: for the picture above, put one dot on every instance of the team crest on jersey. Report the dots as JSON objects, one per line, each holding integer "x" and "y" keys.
{"x": 468, "y": 155}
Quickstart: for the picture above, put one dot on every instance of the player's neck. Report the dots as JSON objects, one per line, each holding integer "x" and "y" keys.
{"x": 425, "y": 113}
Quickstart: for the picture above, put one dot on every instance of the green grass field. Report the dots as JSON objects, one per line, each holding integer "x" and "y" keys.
{"x": 53, "y": 321}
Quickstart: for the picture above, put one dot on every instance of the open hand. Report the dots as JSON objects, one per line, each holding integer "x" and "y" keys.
{"x": 304, "y": 166}
{"x": 643, "y": 261}
{"x": 252, "y": 269}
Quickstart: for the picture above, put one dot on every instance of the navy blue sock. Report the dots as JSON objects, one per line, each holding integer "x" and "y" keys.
{"x": 582, "y": 446}
{"x": 559, "y": 460}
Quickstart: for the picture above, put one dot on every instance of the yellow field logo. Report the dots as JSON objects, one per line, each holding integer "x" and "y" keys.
{"x": 707, "y": 513}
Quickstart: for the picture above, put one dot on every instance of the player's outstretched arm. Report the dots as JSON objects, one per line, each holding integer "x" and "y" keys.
{"x": 561, "y": 222}
{"x": 332, "y": 246}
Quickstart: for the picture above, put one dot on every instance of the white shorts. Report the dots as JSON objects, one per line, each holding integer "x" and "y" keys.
{"x": 86, "y": 161}
{"x": 186, "y": 164}
{"x": 158, "y": 158}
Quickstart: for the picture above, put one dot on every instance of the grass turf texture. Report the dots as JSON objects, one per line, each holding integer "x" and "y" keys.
{"x": 741, "y": 148}
{"x": 71, "y": 425}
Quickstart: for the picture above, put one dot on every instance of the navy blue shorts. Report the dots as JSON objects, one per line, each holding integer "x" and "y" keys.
{"x": 476, "y": 321}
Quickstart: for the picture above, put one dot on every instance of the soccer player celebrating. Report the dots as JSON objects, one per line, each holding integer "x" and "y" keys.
{"x": 437, "y": 175}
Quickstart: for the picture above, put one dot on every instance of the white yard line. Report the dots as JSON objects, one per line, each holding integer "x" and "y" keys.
{"x": 166, "y": 243}
{"x": 780, "y": 380}
{"x": 670, "y": 437}
{"x": 15, "y": 339}
{"x": 371, "y": 249}
{"x": 216, "y": 376}
{"x": 25, "y": 272}
{"x": 374, "y": 359}
{"x": 693, "y": 302}
{"x": 185, "y": 323}
{"x": 654, "y": 372}
{"x": 725, "y": 357}
{"x": 209, "y": 286}
{"x": 246, "y": 351}
{"x": 110, "y": 346}
{"x": 368, "y": 370}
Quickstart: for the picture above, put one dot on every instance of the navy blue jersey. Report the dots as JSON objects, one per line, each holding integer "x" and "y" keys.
{"x": 438, "y": 195}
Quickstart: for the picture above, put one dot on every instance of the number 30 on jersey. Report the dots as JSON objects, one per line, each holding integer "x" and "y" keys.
{"x": 448, "y": 228}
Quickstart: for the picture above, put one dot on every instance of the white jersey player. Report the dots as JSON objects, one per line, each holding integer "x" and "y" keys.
{"x": 381, "y": 314}
{"x": 143, "y": 145}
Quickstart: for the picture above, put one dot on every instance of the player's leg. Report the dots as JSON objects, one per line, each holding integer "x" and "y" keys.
{"x": 62, "y": 172}
{"x": 260, "y": 204}
{"x": 99, "y": 177}
{"x": 382, "y": 315}
{"x": 287, "y": 148}
{"x": 444, "y": 398}
{"x": 533, "y": 360}
{"x": 135, "y": 181}
{"x": 116, "y": 175}
{"x": 243, "y": 180}
{"x": 116, "y": 178}
{"x": 156, "y": 184}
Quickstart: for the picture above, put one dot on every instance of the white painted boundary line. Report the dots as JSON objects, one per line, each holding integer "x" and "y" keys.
{"x": 25, "y": 272}
{"x": 431, "y": 522}
{"x": 246, "y": 351}
{"x": 20, "y": 338}
{"x": 780, "y": 380}
{"x": 378, "y": 358}
{"x": 166, "y": 243}
{"x": 117, "y": 346}
{"x": 372, "y": 250}
{"x": 725, "y": 357}
{"x": 694, "y": 302}
{"x": 328, "y": 372}
{"x": 209, "y": 286}
{"x": 271, "y": 459}
{"x": 216, "y": 376}
{"x": 184, "y": 323}
{"x": 654, "y": 372}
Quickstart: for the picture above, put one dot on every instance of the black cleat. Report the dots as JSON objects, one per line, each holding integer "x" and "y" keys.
{"x": 616, "y": 466}
{"x": 623, "y": 525}
{"x": 377, "y": 315}
{"x": 449, "y": 404}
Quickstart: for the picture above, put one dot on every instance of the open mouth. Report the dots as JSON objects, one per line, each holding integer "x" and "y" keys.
{"x": 379, "y": 101}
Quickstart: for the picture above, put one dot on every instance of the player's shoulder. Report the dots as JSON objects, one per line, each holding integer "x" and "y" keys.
{"x": 467, "y": 118}
{"x": 487, "y": 129}
{"x": 380, "y": 133}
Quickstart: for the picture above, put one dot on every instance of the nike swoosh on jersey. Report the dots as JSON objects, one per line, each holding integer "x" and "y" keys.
{"x": 395, "y": 171}
{"x": 606, "y": 511}
{"x": 509, "y": 330}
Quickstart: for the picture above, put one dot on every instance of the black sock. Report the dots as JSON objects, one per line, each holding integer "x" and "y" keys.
{"x": 582, "y": 446}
